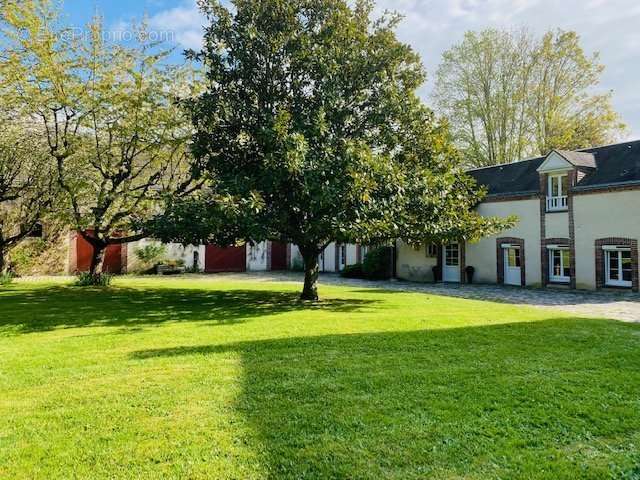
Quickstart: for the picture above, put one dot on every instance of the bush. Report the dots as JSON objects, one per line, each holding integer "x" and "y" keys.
{"x": 25, "y": 257}
{"x": 377, "y": 264}
{"x": 86, "y": 279}
{"x": 353, "y": 271}
{"x": 151, "y": 254}
{"x": 6, "y": 278}
{"x": 297, "y": 266}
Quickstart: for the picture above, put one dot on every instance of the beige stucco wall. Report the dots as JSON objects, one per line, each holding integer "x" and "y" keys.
{"x": 413, "y": 264}
{"x": 482, "y": 254}
{"x": 598, "y": 216}
{"x": 557, "y": 224}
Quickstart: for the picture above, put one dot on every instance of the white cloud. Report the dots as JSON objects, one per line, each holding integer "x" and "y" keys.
{"x": 185, "y": 23}
{"x": 607, "y": 26}
{"x": 432, "y": 26}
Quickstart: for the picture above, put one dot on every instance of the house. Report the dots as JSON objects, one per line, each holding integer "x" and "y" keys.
{"x": 579, "y": 224}
{"x": 334, "y": 258}
{"x": 263, "y": 256}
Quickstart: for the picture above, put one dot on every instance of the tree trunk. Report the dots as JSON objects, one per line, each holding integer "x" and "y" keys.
{"x": 97, "y": 259}
{"x": 311, "y": 273}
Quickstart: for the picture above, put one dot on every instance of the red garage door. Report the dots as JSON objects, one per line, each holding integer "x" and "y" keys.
{"x": 112, "y": 262}
{"x": 278, "y": 256}
{"x": 225, "y": 259}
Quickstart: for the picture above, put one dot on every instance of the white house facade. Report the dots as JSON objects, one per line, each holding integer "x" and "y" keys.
{"x": 578, "y": 225}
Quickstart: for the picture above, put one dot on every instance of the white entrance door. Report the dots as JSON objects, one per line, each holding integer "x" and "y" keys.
{"x": 451, "y": 263}
{"x": 512, "y": 266}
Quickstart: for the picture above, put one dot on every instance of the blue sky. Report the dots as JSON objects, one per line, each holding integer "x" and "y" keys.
{"x": 431, "y": 26}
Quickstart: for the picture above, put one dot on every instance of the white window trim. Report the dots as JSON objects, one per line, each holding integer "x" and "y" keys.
{"x": 559, "y": 202}
{"x": 610, "y": 282}
{"x": 557, "y": 278}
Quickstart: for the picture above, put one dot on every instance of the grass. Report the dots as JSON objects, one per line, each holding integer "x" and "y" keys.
{"x": 220, "y": 379}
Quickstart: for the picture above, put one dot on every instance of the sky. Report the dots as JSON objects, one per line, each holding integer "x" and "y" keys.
{"x": 610, "y": 27}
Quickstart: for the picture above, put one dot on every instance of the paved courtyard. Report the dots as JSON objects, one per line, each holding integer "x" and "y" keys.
{"x": 617, "y": 306}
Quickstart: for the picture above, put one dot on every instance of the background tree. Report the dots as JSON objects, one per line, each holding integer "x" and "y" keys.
{"x": 113, "y": 130}
{"x": 311, "y": 131}
{"x": 510, "y": 95}
{"x": 26, "y": 186}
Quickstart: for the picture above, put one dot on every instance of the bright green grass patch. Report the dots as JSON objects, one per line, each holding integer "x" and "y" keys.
{"x": 219, "y": 379}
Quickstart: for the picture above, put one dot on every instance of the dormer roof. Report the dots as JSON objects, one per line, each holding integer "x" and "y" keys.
{"x": 610, "y": 165}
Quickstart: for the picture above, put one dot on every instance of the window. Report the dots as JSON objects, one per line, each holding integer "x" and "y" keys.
{"x": 432, "y": 250}
{"x": 557, "y": 194}
{"x": 619, "y": 268}
{"x": 514, "y": 258}
{"x": 452, "y": 255}
{"x": 343, "y": 255}
{"x": 559, "y": 265}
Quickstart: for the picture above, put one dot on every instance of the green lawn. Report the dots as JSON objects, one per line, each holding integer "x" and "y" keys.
{"x": 219, "y": 379}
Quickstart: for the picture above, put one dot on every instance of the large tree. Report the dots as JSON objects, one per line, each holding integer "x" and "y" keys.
{"x": 509, "y": 95}
{"x": 311, "y": 131}
{"x": 109, "y": 116}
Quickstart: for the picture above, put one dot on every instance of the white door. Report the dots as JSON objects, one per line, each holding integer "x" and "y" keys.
{"x": 512, "y": 266}
{"x": 451, "y": 263}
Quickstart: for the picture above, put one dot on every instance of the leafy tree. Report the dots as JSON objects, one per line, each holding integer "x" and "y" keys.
{"x": 117, "y": 138}
{"x": 510, "y": 95}
{"x": 26, "y": 187}
{"x": 310, "y": 131}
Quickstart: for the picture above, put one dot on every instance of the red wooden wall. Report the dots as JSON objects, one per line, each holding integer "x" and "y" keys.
{"x": 279, "y": 256}
{"x": 82, "y": 251}
{"x": 225, "y": 259}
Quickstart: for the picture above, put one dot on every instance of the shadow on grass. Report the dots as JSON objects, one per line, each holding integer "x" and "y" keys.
{"x": 549, "y": 399}
{"x": 34, "y": 310}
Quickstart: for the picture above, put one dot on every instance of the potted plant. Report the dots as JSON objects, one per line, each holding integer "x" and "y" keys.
{"x": 437, "y": 273}
{"x": 470, "y": 271}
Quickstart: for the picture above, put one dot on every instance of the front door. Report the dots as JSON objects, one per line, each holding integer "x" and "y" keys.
{"x": 513, "y": 266}
{"x": 451, "y": 263}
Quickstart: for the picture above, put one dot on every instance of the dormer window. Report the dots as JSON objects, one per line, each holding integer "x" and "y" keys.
{"x": 557, "y": 192}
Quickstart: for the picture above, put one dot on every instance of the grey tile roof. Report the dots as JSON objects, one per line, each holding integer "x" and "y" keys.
{"x": 610, "y": 165}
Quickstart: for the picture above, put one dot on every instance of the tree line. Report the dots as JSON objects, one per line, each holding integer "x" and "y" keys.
{"x": 299, "y": 123}
{"x": 510, "y": 95}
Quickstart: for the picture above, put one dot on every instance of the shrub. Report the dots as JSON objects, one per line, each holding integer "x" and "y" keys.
{"x": 377, "y": 264}
{"x": 353, "y": 271}
{"x": 26, "y": 255}
{"x": 297, "y": 266}
{"x": 86, "y": 279}
{"x": 151, "y": 254}
{"x": 6, "y": 278}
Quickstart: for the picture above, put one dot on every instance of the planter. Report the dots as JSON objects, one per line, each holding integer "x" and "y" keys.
{"x": 437, "y": 273}
{"x": 470, "y": 271}
{"x": 168, "y": 270}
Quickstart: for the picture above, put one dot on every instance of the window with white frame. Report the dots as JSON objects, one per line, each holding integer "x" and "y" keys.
{"x": 343, "y": 255}
{"x": 618, "y": 267}
{"x": 557, "y": 193}
{"x": 559, "y": 265}
{"x": 452, "y": 255}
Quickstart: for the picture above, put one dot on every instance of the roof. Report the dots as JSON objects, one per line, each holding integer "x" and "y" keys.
{"x": 606, "y": 166}
{"x": 578, "y": 159}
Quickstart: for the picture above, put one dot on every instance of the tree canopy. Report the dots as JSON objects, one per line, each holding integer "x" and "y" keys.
{"x": 310, "y": 131}
{"x": 109, "y": 116}
{"x": 510, "y": 95}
